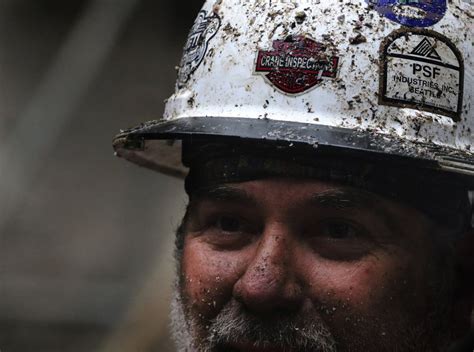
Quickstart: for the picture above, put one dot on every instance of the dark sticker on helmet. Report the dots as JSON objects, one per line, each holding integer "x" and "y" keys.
{"x": 411, "y": 13}
{"x": 203, "y": 30}
{"x": 422, "y": 70}
{"x": 296, "y": 64}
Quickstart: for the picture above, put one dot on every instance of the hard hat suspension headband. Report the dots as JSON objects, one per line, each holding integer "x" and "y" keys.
{"x": 435, "y": 194}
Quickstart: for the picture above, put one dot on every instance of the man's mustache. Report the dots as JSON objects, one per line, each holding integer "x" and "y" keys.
{"x": 280, "y": 330}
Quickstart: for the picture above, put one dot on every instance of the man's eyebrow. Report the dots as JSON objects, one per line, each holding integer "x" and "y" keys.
{"x": 348, "y": 199}
{"x": 343, "y": 199}
{"x": 224, "y": 193}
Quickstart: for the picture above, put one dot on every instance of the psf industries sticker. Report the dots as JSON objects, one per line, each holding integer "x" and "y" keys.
{"x": 422, "y": 70}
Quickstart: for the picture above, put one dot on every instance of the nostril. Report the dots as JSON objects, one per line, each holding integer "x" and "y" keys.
{"x": 273, "y": 308}
{"x": 263, "y": 296}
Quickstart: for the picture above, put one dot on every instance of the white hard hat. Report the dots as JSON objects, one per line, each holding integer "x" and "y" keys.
{"x": 389, "y": 78}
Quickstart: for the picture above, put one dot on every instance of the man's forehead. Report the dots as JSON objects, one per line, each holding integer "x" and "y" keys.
{"x": 312, "y": 191}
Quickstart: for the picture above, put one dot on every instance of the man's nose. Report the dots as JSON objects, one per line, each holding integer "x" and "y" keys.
{"x": 269, "y": 284}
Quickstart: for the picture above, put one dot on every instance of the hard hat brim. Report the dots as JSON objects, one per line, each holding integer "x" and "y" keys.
{"x": 156, "y": 144}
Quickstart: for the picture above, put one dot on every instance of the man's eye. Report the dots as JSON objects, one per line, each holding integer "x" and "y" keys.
{"x": 341, "y": 240}
{"x": 339, "y": 230}
{"x": 228, "y": 232}
{"x": 229, "y": 224}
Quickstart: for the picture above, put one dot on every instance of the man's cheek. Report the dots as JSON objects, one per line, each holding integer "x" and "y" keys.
{"x": 209, "y": 277}
{"x": 357, "y": 286}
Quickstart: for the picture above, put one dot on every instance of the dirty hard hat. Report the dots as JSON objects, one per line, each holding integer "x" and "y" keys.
{"x": 388, "y": 79}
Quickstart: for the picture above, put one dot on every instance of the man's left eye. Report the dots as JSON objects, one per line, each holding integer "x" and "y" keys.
{"x": 341, "y": 240}
{"x": 339, "y": 230}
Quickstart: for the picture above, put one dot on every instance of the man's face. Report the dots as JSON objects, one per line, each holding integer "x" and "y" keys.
{"x": 295, "y": 265}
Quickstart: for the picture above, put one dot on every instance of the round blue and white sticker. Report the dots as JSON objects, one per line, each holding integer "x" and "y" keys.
{"x": 411, "y": 13}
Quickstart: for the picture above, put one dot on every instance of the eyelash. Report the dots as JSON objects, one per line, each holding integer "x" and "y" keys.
{"x": 217, "y": 222}
{"x": 213, "y": 221}
{"x": 242, "y": 225}
{"x": 358, "y": 230}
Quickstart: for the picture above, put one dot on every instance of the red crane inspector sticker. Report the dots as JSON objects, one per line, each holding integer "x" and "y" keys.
{"x": 296, "y": 64}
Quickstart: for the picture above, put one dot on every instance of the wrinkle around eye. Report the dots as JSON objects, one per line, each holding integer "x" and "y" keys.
{"x": 342, "y": 240}
{"x": 343, "y": 230}
{"x": 337, "y": 229}
{"x": 223, "y": 227}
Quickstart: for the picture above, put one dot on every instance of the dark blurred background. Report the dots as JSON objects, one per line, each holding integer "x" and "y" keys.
{"x": 85, "y": 238}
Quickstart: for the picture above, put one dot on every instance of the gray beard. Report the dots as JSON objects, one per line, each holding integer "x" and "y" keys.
{"x": 292, "y": 333}
{"x": 180, "y": 329}
{"x": 233, "y": 324}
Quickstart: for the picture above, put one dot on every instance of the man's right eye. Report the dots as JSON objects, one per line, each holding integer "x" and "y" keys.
{"x": 229, "y": 224}
{"x": 224, "y": 225}
{"x": 227, "y": 231}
